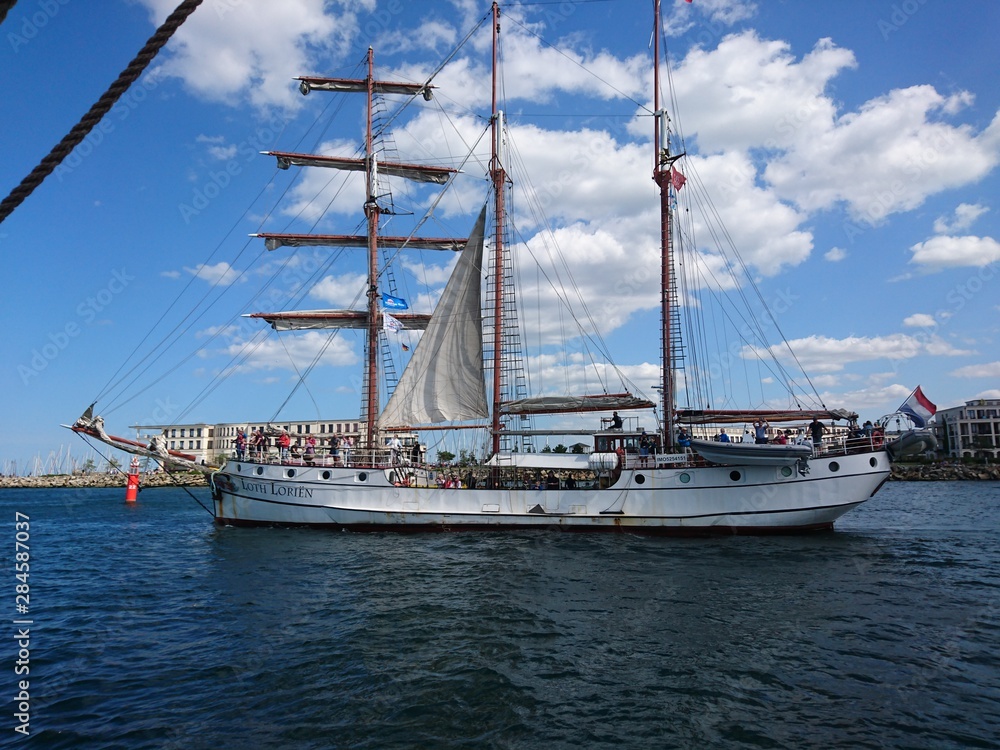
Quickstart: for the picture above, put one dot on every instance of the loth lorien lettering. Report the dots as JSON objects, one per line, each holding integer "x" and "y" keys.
{"x": 276, "y": 489}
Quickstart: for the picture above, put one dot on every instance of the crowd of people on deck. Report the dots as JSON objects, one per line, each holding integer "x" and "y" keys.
{"x": 868, "y": 434}
{"x": 257, "y": 446}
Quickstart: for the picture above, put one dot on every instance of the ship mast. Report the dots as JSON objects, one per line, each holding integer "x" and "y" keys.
{"x": 661, "y": 175}
{"x": 499, "y": 178}
{"x": 372, "y": 214}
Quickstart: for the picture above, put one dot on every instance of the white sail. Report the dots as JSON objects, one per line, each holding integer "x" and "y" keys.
{"x": 444, "y": 379}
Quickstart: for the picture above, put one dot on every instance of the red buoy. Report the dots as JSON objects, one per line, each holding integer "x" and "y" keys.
{"x": 132, "y": 489}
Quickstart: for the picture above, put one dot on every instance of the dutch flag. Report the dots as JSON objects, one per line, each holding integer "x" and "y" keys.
{"x": 918, "y": 407}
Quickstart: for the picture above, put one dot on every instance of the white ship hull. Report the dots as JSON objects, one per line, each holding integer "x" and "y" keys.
{"x": 673, "y": 501}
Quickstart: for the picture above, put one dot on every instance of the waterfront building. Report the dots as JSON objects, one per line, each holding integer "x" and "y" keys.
{"x": 969, "y": 431}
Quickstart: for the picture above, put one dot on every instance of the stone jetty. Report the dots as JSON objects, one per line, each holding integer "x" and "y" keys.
{"x": 944, "y": 472}
{"x": 95, "y": 480}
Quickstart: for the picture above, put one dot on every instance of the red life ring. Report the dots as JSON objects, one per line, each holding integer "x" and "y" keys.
{"x": 878, "y": 437}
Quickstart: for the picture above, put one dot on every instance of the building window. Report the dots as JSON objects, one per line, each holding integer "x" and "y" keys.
{"x": 172, "y": 445}
{"x": 210, "y": 445}
{"x": 307, "y": 429}
{"x": 198, "y": 444}
{"x": 173, "y": 432}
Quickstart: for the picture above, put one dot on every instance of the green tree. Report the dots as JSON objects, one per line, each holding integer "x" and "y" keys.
{"x": 445, "y": 457}
{"x": 546, "y": 449}
{"x": 559, "y": 448}
{"x": 88, "y": 466}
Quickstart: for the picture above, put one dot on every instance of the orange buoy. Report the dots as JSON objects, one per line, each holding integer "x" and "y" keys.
{"x": 132, "y": 488}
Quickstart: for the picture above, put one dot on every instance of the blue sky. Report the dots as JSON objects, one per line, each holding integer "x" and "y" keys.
{"x": 851, "y": 147}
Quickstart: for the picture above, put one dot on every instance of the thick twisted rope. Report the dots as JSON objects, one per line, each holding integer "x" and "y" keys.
{"x": 101, "y": 108}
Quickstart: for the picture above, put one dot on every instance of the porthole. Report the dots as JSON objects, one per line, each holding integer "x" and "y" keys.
{"x": 834, "y": 466}
{"x": 685, "y": 478}
{"x": 640, "y": 478}
{"x": 735, "y": 476}
{"x": 362, "y": 476}
{"x": 289, "y": 473}
{"x": 392, "y": 477}
{"x": 260, "y": 470}
{"x": 786, "y": 471}
{"x": 325, "y": 475}
{"x": 239, "y": 467}
{"x": 873, "y": 462}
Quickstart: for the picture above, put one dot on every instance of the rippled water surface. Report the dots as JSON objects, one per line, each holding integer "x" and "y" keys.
{"x": 152, "y": 628}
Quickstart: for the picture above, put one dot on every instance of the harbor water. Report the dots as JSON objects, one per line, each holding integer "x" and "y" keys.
{"x": 152, "y": 628}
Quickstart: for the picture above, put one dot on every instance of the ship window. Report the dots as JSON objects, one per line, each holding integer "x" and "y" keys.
{"x": 640, "y": 479}
{"x": 786, "y": 471}
{"x": 289, "y": 473}
{"x": 260, "y": 470}
{"x": 834, "y": 466}
{"x": 325, "y": 475}
{"x": 362, "y": 476}
{"x": 873, "y": 461}
{"x": 685, "y": 478}
{"x": 735, "y": 476}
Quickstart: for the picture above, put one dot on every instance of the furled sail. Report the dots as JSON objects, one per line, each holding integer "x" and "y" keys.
{"x": 273, "y": 241}
{"x": 444, "y": 379}
{"x": 319, "y": 320}
{"x": 417, "y": 172}
{"x": 563, "y": 404}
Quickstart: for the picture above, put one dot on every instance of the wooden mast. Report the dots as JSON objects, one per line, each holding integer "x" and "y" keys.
{"x": 372, "y": 214}
{"x": 661, "y": 175}
{"x": 499, "y": 178}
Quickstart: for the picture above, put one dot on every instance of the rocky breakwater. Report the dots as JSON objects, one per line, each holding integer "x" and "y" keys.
{"x": 155, "y": 479}
{"x": 943, "y": 472}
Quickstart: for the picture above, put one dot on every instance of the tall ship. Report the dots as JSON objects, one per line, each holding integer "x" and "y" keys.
{"x": 645, "y": 464}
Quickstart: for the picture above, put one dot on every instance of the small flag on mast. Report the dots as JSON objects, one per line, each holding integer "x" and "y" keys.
{"x": 676, "y": 178}
{"x": 918, "y": 407}
{"x": 394, "y": 303}
{"x": 390, "y": 323}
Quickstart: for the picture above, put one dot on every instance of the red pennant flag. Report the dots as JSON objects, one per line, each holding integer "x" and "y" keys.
{"x": 676, "y": 178}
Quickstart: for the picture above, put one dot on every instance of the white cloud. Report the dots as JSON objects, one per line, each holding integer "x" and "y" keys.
{"x": 824, "y": 354}
{"x": 341, "y": 291}
{"x": 962, "y": 218}
{"x": 221, "y": 274}
{"x": 920, "y": 320}
{"x": 270, "y": 353}
{"x": 835, "y": 254}
{"x": 950, "y": 252}
{"x": 986, "y": 370}
{"x": 250, "y": 50}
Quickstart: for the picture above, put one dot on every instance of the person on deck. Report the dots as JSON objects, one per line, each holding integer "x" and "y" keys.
{"x": 241, "y": 445}
{"x": 683, "y": 439}
{"x": 747, "y": 437}
{"x": 723, "y": 437}
{"x": 816, "y": 429}
{"x": 760, "y": 432}
{"x": 395, "y": 446}
{"x": 616, "y": 421}
{"x": 284, "y": 442}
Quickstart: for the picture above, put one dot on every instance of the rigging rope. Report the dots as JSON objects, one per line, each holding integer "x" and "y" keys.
{"x": 5, "y": 6}
{"x": 80, "y": 131}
